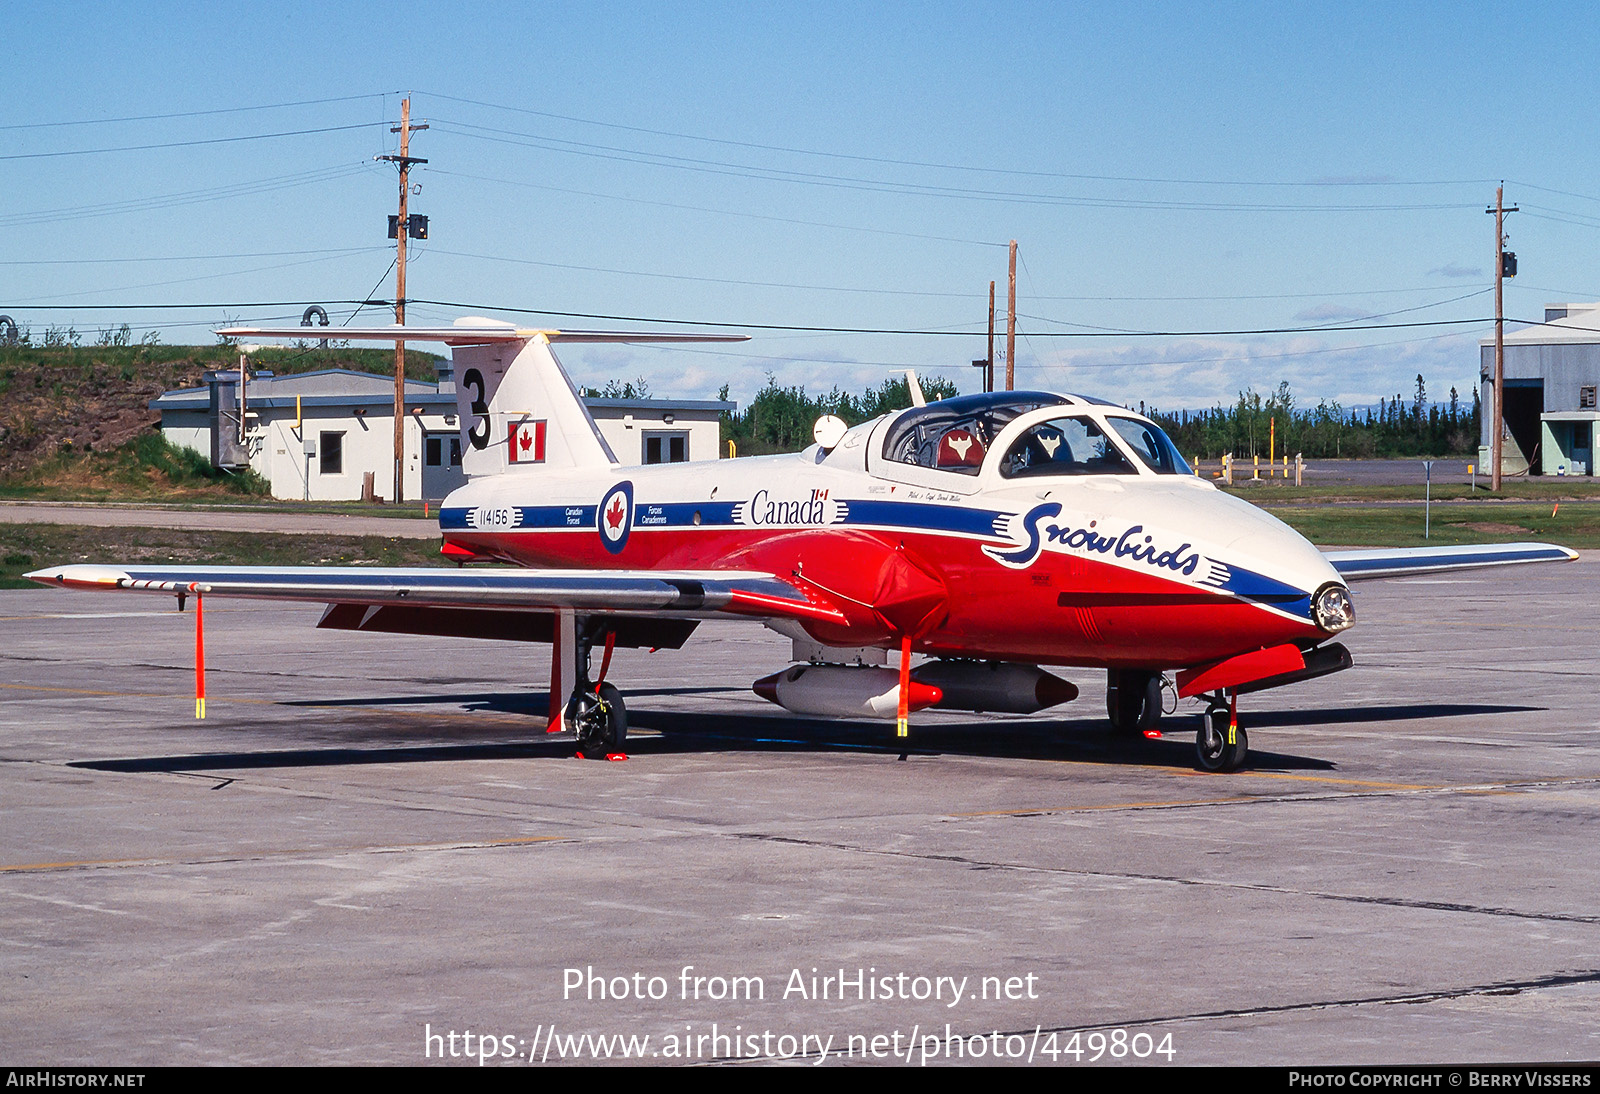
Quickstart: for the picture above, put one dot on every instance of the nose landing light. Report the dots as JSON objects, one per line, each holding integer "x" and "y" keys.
{"x": 1333, "y": 609}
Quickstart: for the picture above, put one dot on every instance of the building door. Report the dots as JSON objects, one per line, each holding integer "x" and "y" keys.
{"x": 1524, "y": 405}
{"x": 441, "y": 464}
{"x": 1582, "y": 448}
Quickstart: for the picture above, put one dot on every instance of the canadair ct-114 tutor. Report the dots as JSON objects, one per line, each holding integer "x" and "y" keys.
{"x": 993, "y": 534}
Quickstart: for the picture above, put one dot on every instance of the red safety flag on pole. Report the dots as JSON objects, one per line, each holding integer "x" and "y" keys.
{"x": 903, "y": 715}
{"x": 199, "y": 655}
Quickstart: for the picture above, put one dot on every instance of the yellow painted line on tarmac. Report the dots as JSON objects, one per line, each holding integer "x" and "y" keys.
{"x": 82, "y": 691}
{"x": 382, "y": 848}
{"x": 1364, "y": 784}
{"x": 1095, "y": 808}
{"x": 214, "y": 700}
{"x": 1475, "y": 789}
{"x": 1476, "y": 625}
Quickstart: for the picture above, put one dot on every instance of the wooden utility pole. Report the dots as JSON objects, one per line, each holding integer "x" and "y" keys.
{"x": 988, "y": 372}
{"x": 1011, "y": 323}
{"x": 1497, "y": 426}
{"x": 405, "y": 160}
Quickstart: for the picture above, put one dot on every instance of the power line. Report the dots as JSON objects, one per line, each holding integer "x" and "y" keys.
{"x": 190, "y": 113}
{"x": 705, "y": 280}
{"x": 1335, "y": 324}
{"x": 811, "y": 178}
{"x": 925, "y": 332}
{"x": 213, "y": 276}
{"x": 1574, "y": 219}
{"x": 189, "y": 144}
{"x": 1251, "y": 358}
{"x": 955, "y": 166}
{"x": 1548, "y": 190}
{"x": 916, "y": 292}
{"x": 945, "y": 333}
{"x": 191, "y": 307}
{"x": 184, "y": 197}
{"x": 180, "y": 258}
{"x": 716, "y": 212}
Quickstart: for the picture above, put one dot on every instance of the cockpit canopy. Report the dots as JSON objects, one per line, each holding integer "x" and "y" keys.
{"x": 1087, "y": 437}
{"x": 955, "y": 434}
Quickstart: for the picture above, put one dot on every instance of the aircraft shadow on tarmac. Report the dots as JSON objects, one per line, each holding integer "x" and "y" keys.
{"x": 1084, "y": 740}
{"x": 505, "y": 702}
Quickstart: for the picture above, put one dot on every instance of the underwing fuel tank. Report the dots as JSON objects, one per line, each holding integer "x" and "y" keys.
{"x": 842, "y": 691}
{"x": 845, "y": 691}
{"x": 997, "y": 687}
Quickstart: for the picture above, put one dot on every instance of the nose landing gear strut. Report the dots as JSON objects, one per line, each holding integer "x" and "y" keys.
{"x": 1221, "y": 743}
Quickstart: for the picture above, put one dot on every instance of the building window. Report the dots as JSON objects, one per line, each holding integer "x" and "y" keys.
{"x": 1586, "y": 397}
{"x": 435, "y": 451}
{"x": 332, "y": 454}
{"x": 666, "y": 448}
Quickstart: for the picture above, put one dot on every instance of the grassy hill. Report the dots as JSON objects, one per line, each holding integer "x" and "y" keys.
{"x": 76, "y": 420}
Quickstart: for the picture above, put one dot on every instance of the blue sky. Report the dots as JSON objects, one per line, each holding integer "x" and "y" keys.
{"x": 1164, "y": 168}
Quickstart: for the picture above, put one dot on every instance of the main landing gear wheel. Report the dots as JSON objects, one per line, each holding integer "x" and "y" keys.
{"x": 1212, "y": 745}
{"x": 599, "y": 721}
{"x": 1133, "y": 700}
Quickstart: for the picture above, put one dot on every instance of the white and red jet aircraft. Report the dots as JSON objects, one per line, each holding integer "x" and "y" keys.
{"x": 993, "y": 533}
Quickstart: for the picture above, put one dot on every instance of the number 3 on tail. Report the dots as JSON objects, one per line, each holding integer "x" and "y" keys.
{"x": 479, "y": 433}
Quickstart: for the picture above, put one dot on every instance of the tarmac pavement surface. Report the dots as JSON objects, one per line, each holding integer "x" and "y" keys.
{"x": 370, "y": 848}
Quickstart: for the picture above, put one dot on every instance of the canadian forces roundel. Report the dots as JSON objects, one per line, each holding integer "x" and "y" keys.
{"x": 615, "y": 517}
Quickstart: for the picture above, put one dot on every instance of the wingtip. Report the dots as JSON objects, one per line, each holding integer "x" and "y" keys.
{"x": 77, "y": 576}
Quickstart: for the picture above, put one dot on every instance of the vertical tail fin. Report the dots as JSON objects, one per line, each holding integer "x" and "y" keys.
{"x": 515, "y": 402}
{"x": 518, "y": 408}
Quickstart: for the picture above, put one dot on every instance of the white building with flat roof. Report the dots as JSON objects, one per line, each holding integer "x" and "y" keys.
{"x": 315, "y": 436}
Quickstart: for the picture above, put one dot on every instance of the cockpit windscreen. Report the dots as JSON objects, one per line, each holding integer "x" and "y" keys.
{"x": 1151, "y": 445}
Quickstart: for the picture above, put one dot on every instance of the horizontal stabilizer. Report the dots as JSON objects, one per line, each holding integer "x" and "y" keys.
{"x": 474, "y": 333}
{"x": 1401, "y": 561}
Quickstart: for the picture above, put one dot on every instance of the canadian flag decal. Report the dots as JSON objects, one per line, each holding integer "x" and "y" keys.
{"x": 527, "y": 442}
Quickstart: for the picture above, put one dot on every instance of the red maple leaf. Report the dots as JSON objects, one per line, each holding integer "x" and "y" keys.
{"x": 614, "y": 514}
{"x": 527, "y": 440}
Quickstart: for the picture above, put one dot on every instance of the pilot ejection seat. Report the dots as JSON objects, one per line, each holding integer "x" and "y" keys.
{"x": 959, "y": 448}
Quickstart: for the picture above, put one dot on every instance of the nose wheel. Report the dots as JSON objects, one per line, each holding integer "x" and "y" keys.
{"x": 1221, "y": 743}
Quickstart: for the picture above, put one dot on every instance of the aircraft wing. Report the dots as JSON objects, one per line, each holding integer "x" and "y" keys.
{"x": 686, "y": 594}
{"x": 1403, "y": 561}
